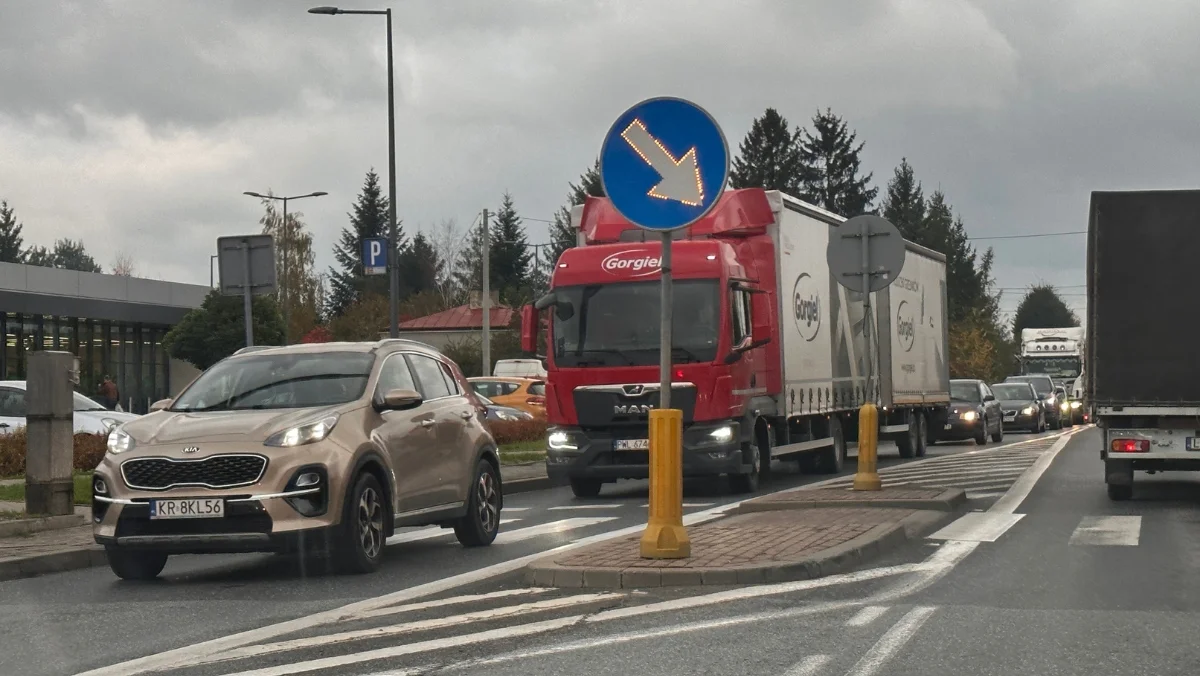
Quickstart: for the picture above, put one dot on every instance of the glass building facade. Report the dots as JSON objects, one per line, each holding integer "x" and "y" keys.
{"x": 130, "y": 352}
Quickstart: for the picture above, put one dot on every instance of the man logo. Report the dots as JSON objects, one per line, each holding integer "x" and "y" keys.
{"x": 633, "y": 409}
{"x": 906, "y": 329}
{"x": 806, "y": 306}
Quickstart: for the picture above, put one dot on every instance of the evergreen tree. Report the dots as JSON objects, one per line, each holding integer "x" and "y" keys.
{"x": 904, "y": 205}
{"x": 39, "y": 255}
{"x": 831, "y": 167}
{"x": 216, "y": 329}
{"x": 10, "y": 236}
{"x": 70, "y": 254}
{"x": 369, "y": 218}
{"x": 769, "y": 156}
{"x": 562, "y": 235}
{"x": 510, "y": 253}
{"x": 968, "y": 277}
{"x": 1042, "y": 308}
{"x": 420, "y": 265}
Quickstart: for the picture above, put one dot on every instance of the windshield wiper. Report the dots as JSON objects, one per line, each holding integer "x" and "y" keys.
{"x": 619, "y": 353}
{"x": 686, "y": 353}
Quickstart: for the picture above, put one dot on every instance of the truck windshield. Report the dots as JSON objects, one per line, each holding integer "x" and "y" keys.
{"x": 1055, "y": 367}
{"x": 617, "y": 324}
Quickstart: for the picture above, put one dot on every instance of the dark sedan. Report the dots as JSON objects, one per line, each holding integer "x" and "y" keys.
{"x": 974, "y": 413}
{"x": 1021, "y": 405}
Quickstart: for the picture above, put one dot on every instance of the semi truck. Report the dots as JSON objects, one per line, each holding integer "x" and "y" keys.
{"x": 768, "y": 355}
{"x": 1056, "y": 352}
{"x": 1143, "y": 377}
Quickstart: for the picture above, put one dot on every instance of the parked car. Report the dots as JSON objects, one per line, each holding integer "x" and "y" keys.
{"x": 315, "y": 446}
{"x": 497, "y": 412}
{"x": 520, "y": 368}
{"x": 90, "y": 416}
{"x": 1021, "y": 405}
{"x": 1047, "y": 396}
{"x": 974, "y": 413}
{"x": 526, "y": 394}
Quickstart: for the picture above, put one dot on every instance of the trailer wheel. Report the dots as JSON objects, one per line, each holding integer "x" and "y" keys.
{"x": 1118, "y": 492}
{"x": 908, "y": 442}
{"x": 831, "y": 460}
{"x": 922, "y": 435}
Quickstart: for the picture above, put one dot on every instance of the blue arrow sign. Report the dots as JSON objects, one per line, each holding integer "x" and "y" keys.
{"x": 664, "y": 163}
{"x": 374, "y": 256}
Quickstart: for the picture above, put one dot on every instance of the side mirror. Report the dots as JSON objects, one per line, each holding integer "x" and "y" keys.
{"x": 989, "y": 397}
{"x": 760, "y": 335}
{"x": 545, "y": 301}
{"x": 529, "y": 329}
{"x": 160, "y": 405}
{"x": 401, "y": 400}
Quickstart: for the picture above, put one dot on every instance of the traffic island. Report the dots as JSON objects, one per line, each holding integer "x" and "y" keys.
{"x": 774, "y": 545}
{"x": 940, "y": 499}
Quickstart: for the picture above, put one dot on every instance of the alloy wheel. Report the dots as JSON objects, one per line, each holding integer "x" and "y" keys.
{"x": 370, "y": 523}
{"x": 488, "y": 502}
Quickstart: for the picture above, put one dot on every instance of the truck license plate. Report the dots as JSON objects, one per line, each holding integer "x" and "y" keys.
{"x": 188, "y": 508}
{"x": 631, "y": 445}
{"x": 1193, "y": 444}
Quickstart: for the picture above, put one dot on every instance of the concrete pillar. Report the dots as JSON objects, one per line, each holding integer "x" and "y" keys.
{"x": 50, "y": 449}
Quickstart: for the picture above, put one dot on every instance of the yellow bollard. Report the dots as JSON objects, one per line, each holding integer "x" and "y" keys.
{"x": 665, "y": 537}
{"x": 867, "y": 479}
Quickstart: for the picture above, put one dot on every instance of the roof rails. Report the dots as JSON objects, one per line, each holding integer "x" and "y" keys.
{"x": 254, "y": 348}
{"x": 404, "y": 341}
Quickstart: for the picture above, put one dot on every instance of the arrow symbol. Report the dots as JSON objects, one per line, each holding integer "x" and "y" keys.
{"x": 680, "y": 177}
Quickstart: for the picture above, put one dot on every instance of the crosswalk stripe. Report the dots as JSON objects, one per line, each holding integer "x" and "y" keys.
{"x": 1003, "y": 469}
{"x": 866, "y": 616}
{"x": 977, "y": 527}
{"x": 583, "y": 506}
{"x": 310, "y": 642}
{"x": 974, "y": 495}
{"x": 974, "y": 483}
{"x": 687, "y": 504}
{"x": 808, "y": 666}
{"x": 561, "y": 526}
{"x": 429, "y": 533}
{"x": 1107, "y": 531}
{"x": 451, "y": 601}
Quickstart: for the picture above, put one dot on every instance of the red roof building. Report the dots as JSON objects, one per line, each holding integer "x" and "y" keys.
{"x": 461, "y": 318}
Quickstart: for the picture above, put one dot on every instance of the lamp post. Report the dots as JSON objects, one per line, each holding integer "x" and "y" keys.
{"x": 283, "y": 251}
{"x": 393, "y": 267}
{"x": 211, "y": 277}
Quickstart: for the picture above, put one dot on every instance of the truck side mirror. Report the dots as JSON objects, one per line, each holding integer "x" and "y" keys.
{"x": 529, "y": 329}
{"x": 760, "y": 335}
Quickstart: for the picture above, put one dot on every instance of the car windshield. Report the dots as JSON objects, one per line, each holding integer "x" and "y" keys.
{"x": 268, "y": 381}
{"x": 964, "y": 391}
{"x": 1012, "y": 391}
{"x": 1055, "y": 367}
{"x": 1041, "y": 385}
{"x": 617, "y": 324}
{"x": 82, "y": 403}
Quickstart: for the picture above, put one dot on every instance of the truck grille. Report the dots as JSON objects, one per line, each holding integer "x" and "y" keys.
{"x": 217, "y": 471}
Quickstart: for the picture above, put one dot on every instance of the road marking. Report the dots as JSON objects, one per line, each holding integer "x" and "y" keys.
{"x": 687, "y": 504}
{"x": 488, "y": 615}
{"x": 1024, "y": 485}
{"x": 584, "y": 506}
{"x": 515, "y": 509}
{"x": 973, "y": 495}
{"x": 808, "y": 666}
{"x": 977, "y": 483}
{"x": 1107, "y": 531}
{"x": 561, "y": 526}
{"x": 452, "y": 601}
{"x": 977, "y": 527}
{"x": 866, "y": 616}
{"x": 892, "y": 641}
{"x": 429, "y": 533}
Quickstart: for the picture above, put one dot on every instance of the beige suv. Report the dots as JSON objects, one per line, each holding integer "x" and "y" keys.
{"x": 326, "y": 447}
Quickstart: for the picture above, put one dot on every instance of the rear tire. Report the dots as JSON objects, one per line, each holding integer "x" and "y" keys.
{"x": 135, "y": 565}
{"x": 907, "y": 443}
{"x": 1119, "y": 492}
{"x": 748, "y": 483}
{"x": 922, "y": 435}
{"x": 363, "y": 531}
{"x": 586, "y": 488}
{"x": 478, "y": 527}
{"x": 831, "y": 460}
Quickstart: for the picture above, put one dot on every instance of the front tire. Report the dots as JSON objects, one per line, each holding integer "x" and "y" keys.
{"x": 363, "y": 529}
{"x": 135, "y": 565}
{"x": 748, "y": 483}
{"x": 981, "y": 437}
{"x": 586, "y": 488}
{"x": 478, "y": 527}
{"x": 998, "y": 435}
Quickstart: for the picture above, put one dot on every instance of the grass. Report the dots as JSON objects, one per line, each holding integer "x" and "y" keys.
{"x": 83, "y": 490}
{"x": 518, "y": 452}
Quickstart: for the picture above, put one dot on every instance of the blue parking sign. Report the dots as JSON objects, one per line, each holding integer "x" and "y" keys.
{"x": 374, "y": 256}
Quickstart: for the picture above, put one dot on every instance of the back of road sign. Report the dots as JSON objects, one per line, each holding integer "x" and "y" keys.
{"x": 664, "y": 163}
{"x": 885, "y": 252}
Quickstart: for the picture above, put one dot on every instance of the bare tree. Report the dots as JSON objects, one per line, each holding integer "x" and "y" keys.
{"x": 451, "y": 243}
{"x": 123, "y": 264}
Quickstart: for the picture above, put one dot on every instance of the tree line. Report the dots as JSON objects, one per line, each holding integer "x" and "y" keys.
{"x": 65, "y": 253}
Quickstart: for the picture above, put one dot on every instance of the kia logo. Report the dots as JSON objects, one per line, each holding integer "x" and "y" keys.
{"x": 806, "y": 306}
{"x": 632, "y": 263}
{"x": 190, "y": 449}
{"x": 906, "y": 328}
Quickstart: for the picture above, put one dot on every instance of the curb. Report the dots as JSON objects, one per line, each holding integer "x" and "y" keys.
{"x": 949, "y": 500}
{"x": 874, "y": 543}
{"x": 38, "y": 524}
{"x": 58, "y": 562}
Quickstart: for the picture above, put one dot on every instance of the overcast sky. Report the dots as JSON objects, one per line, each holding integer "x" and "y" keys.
{"x": 136, "y": 125}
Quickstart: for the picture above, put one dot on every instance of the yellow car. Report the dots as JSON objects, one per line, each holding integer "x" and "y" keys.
{"x": 527, "y": 394}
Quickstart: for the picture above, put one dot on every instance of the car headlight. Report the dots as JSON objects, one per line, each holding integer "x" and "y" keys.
{"x": 1076, "y": 404}
{"x": 561, "y": 441}
{"x": 119, "y": 441}
{"x": 303, "y": 434}
{"x": 507, "y": 415}
{"x": 1028, "y": 410}
{"x": 1066, "y": 407}
{"x": 109, "y": 424}
{"x": 722, "y": 435}
{"x": 969, "y": 416}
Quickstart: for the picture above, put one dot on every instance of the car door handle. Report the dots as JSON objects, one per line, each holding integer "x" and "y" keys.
{"x": 426, "y": 423}
{"x": 467, "y": 415}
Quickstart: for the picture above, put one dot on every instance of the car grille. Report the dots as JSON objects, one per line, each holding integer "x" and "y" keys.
{"x": 217, "y": 471}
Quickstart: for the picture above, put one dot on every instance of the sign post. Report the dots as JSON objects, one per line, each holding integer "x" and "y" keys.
{"x": 663, "y": 165}
{"x": 866, "y": 254}
{"x": 247, "y": 267}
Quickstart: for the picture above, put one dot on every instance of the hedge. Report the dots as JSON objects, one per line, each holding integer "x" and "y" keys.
{"x": 509, "y": 431}
{"x": 89, "y": 451}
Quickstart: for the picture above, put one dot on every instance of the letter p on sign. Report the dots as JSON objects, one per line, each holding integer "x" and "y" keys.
{"x": 374, "y": 256}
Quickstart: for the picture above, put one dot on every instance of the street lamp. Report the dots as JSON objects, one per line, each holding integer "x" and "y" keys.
{"x": 393, "y": 267}
{"x": 283, "y": 251}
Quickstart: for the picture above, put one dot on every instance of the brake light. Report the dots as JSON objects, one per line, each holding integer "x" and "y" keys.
{"x": 541, "y": 401}
{"x": 1130, "y": 445}
{"x": 678, "y": 374}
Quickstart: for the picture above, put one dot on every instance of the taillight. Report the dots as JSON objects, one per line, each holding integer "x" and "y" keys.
{"x": 678, "y": 374}
{"x": 540, "y": 401}
{"x": 1130, "y": 445}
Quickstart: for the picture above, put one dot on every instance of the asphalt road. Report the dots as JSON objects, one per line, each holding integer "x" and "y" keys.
{"x": 71, "y": 622}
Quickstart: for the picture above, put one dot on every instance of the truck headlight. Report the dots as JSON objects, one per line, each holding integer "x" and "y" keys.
{"x": 722, "y": 435}
{"x": 559, "y": 440}
{"x": 1076, "y": 404}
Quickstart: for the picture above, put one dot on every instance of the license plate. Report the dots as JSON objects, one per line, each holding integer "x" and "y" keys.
{"x": 187, "y": 508}
{"x": 1193, "y": 444}
{"x": 1010, "y": 416}
{"x": 631, "y": 445}
{"x": 948, "y": 427}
